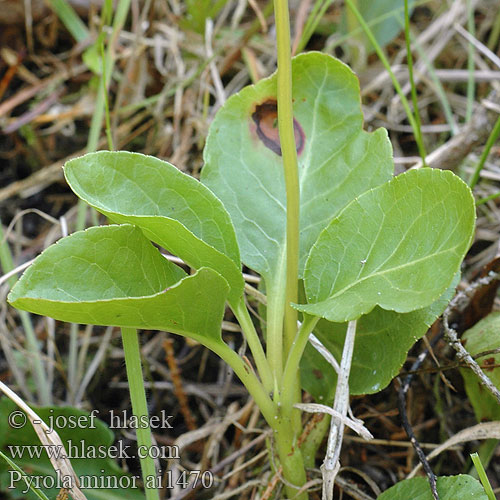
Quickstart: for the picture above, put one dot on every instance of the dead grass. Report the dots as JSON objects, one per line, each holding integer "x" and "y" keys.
{"x": 167, "y": 85}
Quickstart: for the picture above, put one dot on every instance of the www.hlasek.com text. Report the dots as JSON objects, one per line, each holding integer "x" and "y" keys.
{"x": 79, "y": 449}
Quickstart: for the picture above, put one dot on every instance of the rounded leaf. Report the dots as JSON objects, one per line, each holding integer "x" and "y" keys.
{"x": 397, "y": 246}
{"x": 337, "y": 159}
{"x": 113, "y": 275}
{"x": 173, "y": 209}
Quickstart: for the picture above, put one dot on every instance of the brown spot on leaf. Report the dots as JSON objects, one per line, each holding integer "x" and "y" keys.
{"x": 265, "y": 118}
{"x": 487, "y": 362}
{"x": 318, "y": 374}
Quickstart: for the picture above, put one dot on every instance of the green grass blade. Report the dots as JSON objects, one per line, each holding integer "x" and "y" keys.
{"x": 317, "y": 12}
{"x": 40, "y": 494}
{"x": 482, "y": 476}
{"x": 409, "y": 59}
{"x": 495, "y": 133}
{"x": 486, "y": 199}
{"x": 39, "y": 373}
{"x": 70, "y": 19}
{"x": 385, "y": 62}
{"x": 470, "y": 63}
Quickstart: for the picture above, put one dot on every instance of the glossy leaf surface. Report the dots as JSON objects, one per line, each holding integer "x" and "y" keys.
{"x": 383, "y": 339}
{"x": 482, "y": 337}
{"x": 173, "y": 209}
{"x": 397, "y": 246}
{"x": 112, "y": 275}
{"x": 337, "y": 159}
{"x": 449, "y": 488}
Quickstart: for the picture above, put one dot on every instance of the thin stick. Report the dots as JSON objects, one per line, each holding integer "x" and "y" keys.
{"x": 407, "y": 426}
{"x": 175, "y": 374}
{"x": 331, "y": 464}
{"x": 452, "y": 336}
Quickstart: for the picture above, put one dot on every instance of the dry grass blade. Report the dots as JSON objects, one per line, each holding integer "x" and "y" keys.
{"x": 485, "y": 430}
{"x": 167, "y": 83}
{"x": 48, "y": 437}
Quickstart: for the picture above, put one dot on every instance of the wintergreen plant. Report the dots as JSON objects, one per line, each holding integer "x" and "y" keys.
{"x": 297, "y": 191}
{"x": 374, "y": 249}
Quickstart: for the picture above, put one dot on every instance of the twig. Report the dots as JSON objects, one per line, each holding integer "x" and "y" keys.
{"x": 271, "y": 487}
{"x": 331, "y": 464}
{"x": 451, "y": 335}
{"x": 178, "y": 388}
{"x": 40, "y": 108}
{"x": 317, "y": 344}
{"x": 27, "y": 93}
{"x": 260, "y": 16}
{"x": 484, "y": 430}
{"x": 355, "y": 425}
{"x": 479, "y": 46}
{"x": 403, "y": 390}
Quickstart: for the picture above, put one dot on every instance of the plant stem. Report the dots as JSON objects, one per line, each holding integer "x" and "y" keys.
{"x": 287, "y": 424}
{"x": 275, "y": 313}
{"x": 290, "y": 457}
{"x": 313, "y": 441}
{"x": 294, "y": 356}
{"x": 251, "y": 336}
{"x": 248, "y": 378}
{"x": 139, "y": 405}
{"x": 290, "y": 166}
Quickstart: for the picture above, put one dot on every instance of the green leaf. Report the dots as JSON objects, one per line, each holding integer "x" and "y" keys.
{"x": 173, "y": 209}
{"x": 397, "y": 246}
{"x": 483, "y": 336}
{"x": 383, "y": 339}
{"x": 112, "y": 275}
{"x": 91, "y": 436}
{"x": 385, "y": 18}
{"x": 198, "y": 11}
{"x": 337, "y": 159}
{"x": 449, "y": 488}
